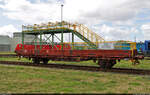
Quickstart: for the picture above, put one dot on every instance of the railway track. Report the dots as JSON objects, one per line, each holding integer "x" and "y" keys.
{"x": 8, "y": 55}
{"x": 84, "y": 68}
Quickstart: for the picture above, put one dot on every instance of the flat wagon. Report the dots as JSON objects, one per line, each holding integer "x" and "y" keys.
{"x": 37, "y": 51}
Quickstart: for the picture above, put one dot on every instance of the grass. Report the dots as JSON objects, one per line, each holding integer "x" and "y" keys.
{"x": 7, "y": 53}
{"x": 20, "y": 79}
{"x": 14, "y": 59}
{"x": 144, "y": 64}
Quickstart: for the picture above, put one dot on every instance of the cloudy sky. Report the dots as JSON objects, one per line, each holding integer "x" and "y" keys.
{"x": 111, "y": 19}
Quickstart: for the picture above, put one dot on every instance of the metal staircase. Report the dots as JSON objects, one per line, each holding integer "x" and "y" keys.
{"x": 85, "y": 40}
{"x": 88, "y": 36}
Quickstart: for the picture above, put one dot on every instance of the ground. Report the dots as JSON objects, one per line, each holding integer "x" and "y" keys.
{"x": 22, "y": 79}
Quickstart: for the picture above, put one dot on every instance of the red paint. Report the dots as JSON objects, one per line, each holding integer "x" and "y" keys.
{"x": 44, "y": 47}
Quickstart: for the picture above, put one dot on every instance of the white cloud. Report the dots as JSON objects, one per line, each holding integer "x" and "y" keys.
{"x": 115, "y": 33}
{"x": 8, "y": 30}
{"x": 28, "y": 12}
{"x": 85, "y": 11}
{"x": 95, "y": 11}
{"x": 146, "y": 31}
{"x": 89, "y": 12}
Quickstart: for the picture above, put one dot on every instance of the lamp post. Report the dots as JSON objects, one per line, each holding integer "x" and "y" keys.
{"x": 62, "y": 12}
{"x": 62, "y": 26}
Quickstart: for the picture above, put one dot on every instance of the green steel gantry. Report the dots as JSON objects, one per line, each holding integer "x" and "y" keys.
{"x": 50, "y": 29}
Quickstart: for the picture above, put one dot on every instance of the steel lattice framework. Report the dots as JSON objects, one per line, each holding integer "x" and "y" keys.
{"x": 50, "y": 28}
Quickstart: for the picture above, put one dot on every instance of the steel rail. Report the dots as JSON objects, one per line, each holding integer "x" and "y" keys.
{"x": 8, "y": 55}
{"x": 79, "y": 67}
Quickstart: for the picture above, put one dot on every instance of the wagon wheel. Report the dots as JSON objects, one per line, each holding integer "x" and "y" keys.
{"x": 94, "y": 60}
{"x": 110, "y": 64}
{"x": 106, "y": 64}
{"x": 35, "y": 60}
{"x": 101, "y": 63}
{"x": 113, "y": 62}
{"x": 45, "y": 61}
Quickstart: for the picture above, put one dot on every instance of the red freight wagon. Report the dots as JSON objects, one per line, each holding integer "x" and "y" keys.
{"x": 106, "y": 58}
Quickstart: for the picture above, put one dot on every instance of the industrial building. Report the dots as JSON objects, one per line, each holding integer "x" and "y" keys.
{"x": 5, "y": 43}
{"x": 8, "y": 44}
{"x": 17, "y": 38}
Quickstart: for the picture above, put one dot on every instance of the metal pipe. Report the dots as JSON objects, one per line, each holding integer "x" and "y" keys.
{"x": 53, "y": 40}
{"x": 40, "y": 40}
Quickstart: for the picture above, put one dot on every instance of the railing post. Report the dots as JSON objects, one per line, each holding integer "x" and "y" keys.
{"x": 91, "y": 37}
{"x": 22, "y": 37}
{"x": 74, "y": 30}
{"x": 88, "y": 34}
